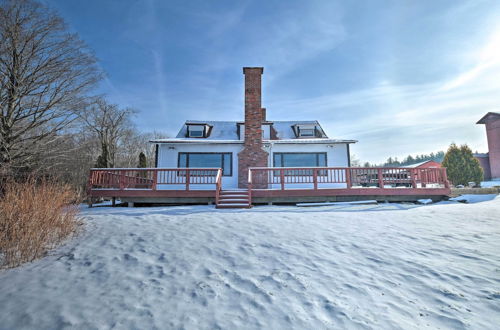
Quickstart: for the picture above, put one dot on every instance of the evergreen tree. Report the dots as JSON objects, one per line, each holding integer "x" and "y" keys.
{"x": 142, "y": 161}
{"x": 473, "y": 168}
{"x": 102, "y": 160}
{"x": 461, "y": 166}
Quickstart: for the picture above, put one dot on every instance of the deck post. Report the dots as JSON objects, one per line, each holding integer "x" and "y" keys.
{"x": 413, "y": 174}
{"x": 122, "y": 180}
{"x": 188, "y": 178}
{"x": 315, "y": 178}
{"x": 348, "y": 177}
{"x": 282, "y": 179}
{"x": 380, "y": 178}
{"x": 155, "y": 179}
{"x": 423, "y": 177}
{"x": 113, "y": 201}
{"x": 445, "y": 178}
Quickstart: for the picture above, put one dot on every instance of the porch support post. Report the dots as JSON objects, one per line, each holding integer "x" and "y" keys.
{"x": 122, "y": 180}
{"x": 413, "y": 174}
{"x": 348, "y": 177}
{"x": 445, "y": 178}
{"x": 155, "y": 179}
{"x": 380, "y": 178}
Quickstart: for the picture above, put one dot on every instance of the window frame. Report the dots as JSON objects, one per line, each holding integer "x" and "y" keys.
{"x": 179, "y": 154}
{"x": 202, "y": 130}
{"x": 303, "y": 172}
{"x": 313, "y": 132}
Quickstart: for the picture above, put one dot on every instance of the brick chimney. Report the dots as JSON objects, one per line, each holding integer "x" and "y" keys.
{"x": 253, "y": 154}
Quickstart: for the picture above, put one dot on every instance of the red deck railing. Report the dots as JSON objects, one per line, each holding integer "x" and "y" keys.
{"x": 268, "y": 181}
{"x": 347, "y": 177}
{"x": 151, "y": 178}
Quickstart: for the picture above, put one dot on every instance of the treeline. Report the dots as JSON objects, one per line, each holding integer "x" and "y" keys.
{"x": 52, "y": 124}
{"x": 53, "y": 129}
{"x": 409, "y": 160}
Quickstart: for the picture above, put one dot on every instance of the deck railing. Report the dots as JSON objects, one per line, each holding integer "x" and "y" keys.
{"x": 152, "y": 178}
{"x": 268, "y": 178}
{"x": 347, "y": 177}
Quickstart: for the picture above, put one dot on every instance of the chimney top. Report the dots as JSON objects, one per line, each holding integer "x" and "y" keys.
{"x": 245, "y": 69}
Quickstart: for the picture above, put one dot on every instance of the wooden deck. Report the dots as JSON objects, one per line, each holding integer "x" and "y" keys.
{"x": 202, "y": 185}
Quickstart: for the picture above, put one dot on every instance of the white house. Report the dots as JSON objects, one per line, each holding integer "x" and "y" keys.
{"x": 238, "y": 164}
{"x": 254, "y": 142}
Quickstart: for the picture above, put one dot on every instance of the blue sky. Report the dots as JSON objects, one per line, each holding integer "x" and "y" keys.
{"x": 399, "y": 76}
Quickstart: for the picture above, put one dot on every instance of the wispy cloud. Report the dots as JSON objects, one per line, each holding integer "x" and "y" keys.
{"x": 488, "y": 58}
{"x": 398, "y": 120}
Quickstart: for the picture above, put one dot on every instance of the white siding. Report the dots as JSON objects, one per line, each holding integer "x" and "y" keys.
{"x": 168, "y": 157}
{"x": 336, "y": 156}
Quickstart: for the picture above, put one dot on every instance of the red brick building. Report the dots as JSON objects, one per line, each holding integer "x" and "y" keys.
{"x": 490, "y": 162}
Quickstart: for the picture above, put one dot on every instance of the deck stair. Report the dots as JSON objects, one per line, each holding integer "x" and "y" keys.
{"x": 234, "y": 199}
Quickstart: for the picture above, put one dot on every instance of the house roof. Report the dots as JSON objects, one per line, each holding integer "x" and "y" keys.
{"x": 285, "y": 141}
{"x": 227, "y": 132}
{"x": 489, "y": 116}
{"x": 419, "y": 164}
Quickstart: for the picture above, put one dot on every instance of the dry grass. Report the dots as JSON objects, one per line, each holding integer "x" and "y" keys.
{"x": 34, "y": 218}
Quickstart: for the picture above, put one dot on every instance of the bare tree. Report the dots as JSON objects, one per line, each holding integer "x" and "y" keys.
{"x": 110, "y": 124}
{"x": 44, "y": 73}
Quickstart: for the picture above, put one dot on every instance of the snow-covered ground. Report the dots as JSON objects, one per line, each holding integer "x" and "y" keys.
{"x": 488, "y": 184}
{"x": 345, "y": 266}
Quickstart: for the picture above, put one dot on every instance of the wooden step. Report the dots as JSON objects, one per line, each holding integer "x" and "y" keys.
{"x": 223, "y": 193}
{"x": 234, "y": 201}
{"x": 233, "y": 206}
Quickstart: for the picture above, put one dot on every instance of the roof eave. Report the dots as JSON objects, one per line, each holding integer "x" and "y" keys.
{"x": 484, "y": 120}
{"x": 289, "y": 141}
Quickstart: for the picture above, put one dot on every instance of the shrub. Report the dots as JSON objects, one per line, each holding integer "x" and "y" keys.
{"x": 34, "y": 218}
{"x": 461, "y": 166}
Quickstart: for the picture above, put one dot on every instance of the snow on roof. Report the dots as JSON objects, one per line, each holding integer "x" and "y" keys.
{"x": 284, "y": 128}
{"x": 221, "y": 130}
{"x": 284, "y": 141}
{"x": 419, "y": 164}
{"x": 227, "y": 132}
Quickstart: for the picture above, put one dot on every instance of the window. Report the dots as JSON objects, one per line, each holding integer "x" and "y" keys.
{"x": 306, "y": 132}
{"x": 305, "y": 159}
{"x": 207, "y": 160}
{"x": 196, "y": 131}
{"x": 296, "y": 159}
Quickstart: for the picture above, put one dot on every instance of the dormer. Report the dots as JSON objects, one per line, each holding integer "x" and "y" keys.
{"x": 308, "y": 131}
{"x": 198, "y": 130}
